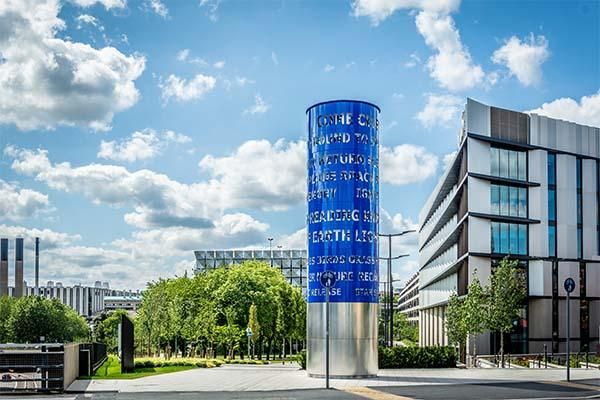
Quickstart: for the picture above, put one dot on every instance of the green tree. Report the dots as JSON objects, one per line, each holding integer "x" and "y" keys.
{"x": 475, "y": 306}
{"x": 254, "y": 326}
{"x": 35, "y": 317}
{"x": 405, "y": 331}
{"x": 6, "y": 306}
{"x": 107, "y": 330}
{"x": 456, "y": 327}
{"x": 506, "y": 296}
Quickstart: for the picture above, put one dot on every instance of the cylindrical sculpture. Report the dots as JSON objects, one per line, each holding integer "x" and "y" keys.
{"x": 343, "y": 215}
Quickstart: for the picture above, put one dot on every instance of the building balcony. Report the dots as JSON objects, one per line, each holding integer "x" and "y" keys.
{"x": 438, "y": 266}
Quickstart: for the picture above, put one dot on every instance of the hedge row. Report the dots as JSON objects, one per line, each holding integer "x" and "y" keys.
{"x": 246, "y": 361}
{"x": 178, "y": 362}
{"x": 417, "y": 357}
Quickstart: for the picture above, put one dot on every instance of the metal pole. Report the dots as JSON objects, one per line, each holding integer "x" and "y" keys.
{"x": 391, "y": 293}
{"x": 568, "y": 337}
{"x": 327, "y": 337}
{"x": 248, "y": 346}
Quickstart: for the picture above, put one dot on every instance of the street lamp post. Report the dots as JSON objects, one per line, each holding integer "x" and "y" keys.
{"x": 390, "y": 313}
{"x": 271, "y": 250}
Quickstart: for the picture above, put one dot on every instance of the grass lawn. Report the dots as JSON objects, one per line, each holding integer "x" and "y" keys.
{"x": 111, "y": 369}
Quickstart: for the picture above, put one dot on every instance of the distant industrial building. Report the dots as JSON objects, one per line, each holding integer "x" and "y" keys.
{"x": 127, "y": 302}
{"x": 291, "y": 263}
{"x": 526, "y": 186}
{"x": 408, "y": 301}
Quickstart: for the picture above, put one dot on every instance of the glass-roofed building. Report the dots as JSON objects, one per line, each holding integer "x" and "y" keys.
{"x": 291, "y": 263}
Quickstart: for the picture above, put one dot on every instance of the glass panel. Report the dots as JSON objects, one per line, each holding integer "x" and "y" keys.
{"x": 503, "y": 238}
{"x": 522, "y": 165}
{"x": 523, "y": 202}
{"x": 503, "y": 163}
{"x": 495, "y": 199}
{"x": 552, "y": 241}
{"x": 494, "y": 167}
{"x": 495, "y": 237}
{"x": 522, "y": 239}
{"x": 552, "y": 205}
{"x": 513, "y": 167}
{"x": 551, "y": 169}
{"x": 513, "y": 239}
{"x": 514, "y": 201}
{"x": 503, "y": 200}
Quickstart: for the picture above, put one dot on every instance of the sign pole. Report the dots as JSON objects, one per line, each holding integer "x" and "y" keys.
{"x": 327, "y": 337}
{"x": 569, "y": 287}
{"x": 568, "y": 337}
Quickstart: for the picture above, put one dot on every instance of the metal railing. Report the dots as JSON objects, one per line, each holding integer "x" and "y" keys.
{"x": 31, "y": 367}
{"x": 537, "y": 360}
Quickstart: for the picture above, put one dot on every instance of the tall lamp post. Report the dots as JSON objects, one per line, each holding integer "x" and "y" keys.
{"x": 271, "y": 250}
{"x": 389, "y": 258}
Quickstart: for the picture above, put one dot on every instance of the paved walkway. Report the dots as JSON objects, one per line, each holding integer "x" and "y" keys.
{"x": 286, "y": 377}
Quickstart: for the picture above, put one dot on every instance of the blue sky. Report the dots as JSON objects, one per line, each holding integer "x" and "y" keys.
{"x": 134, "y": 131}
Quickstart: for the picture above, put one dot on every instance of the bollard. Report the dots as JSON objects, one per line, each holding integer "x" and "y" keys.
{"x": 586, "y": 359}
{"x": 545, "y": 356}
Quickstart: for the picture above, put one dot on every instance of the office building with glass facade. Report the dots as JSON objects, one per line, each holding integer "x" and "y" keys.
{"x": 526, "y": 186}
{"x": 291, "y": 263}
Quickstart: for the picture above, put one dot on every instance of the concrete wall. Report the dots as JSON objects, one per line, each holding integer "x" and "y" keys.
{"x": 71, "y": 363}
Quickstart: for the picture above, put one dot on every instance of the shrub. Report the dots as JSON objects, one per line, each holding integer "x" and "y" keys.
{"x": 301, "y": 359}
{"x": 417, "y": 357}
{"x": 201, "y": 364}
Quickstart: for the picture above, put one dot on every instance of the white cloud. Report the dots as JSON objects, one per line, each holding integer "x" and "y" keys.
{"x": 585, "y": 111}
{"x": 276, "y": 179}
{"x": 48, "y": 238}
{"x": 448, "y": 158}
{"x": 452, "y": 66}
{"x": 108, "y": 4}
{"x": 238, "y": 81}
{"x": 295, "y": 240}
{"x": 140, "y": 145}
{"x": 440, "y": 110}
{"x": 182, "y": 55}
{"x": 158, "y": 7}
{"x": 46, "y": 81}
{"x": 378, "y": 10}
{"x": 86, "y": 19}
{"x": 259, "y": 106}
{"x": 328, "y": 68}
{"x": 414, "y": 59}
{"x": 524, "y": 59}
{"x": 212, "y": 7}
{"x": 18, "y": 203}
{"x": 185, "y": 90}
{"x": 219, "y": 64}
{"x": 274, "y": 58}
{"x": 406, "y": 163}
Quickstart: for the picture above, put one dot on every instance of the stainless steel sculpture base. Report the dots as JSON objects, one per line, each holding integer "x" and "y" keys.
{"x": 352, "y": 340}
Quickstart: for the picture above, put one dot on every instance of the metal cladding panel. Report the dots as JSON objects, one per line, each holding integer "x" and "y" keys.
{"x": 343, "y": 200}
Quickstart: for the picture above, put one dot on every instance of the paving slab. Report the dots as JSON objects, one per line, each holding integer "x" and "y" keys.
{"x": 242, "y": 378}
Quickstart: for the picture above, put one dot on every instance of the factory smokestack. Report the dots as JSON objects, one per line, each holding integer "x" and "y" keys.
{"x": 3, "y": 267}
{"x": 37, "y": 266}
{"x": 19, "y": 268}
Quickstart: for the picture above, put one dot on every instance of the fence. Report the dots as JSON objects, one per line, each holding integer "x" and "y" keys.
{"x": 38, "y": 367}
{"x": 91, "y": 357}
{"x": 537, "y": 360}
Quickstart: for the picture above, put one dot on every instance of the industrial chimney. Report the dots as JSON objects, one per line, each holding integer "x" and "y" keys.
{"x": 19, "y": 268}
{"x": 37, "y": 266}
{"x": 3, "y": 267}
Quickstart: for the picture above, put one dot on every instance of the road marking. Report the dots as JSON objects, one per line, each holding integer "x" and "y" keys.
{"x": 373, "y": 394}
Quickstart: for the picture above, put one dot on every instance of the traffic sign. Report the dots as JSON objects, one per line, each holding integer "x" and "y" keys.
{"x": 569, "y": 285}
{"x": 328, "y": 279}
{"x": 248, "y": 331}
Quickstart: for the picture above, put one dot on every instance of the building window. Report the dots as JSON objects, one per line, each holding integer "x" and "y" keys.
{"x": 511, "y": 164}
{"x": 579, "y": 180}
{"x": 508, "y": 201}
{"x": 552, "y": 205}
{"x": 509, "y": 238}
